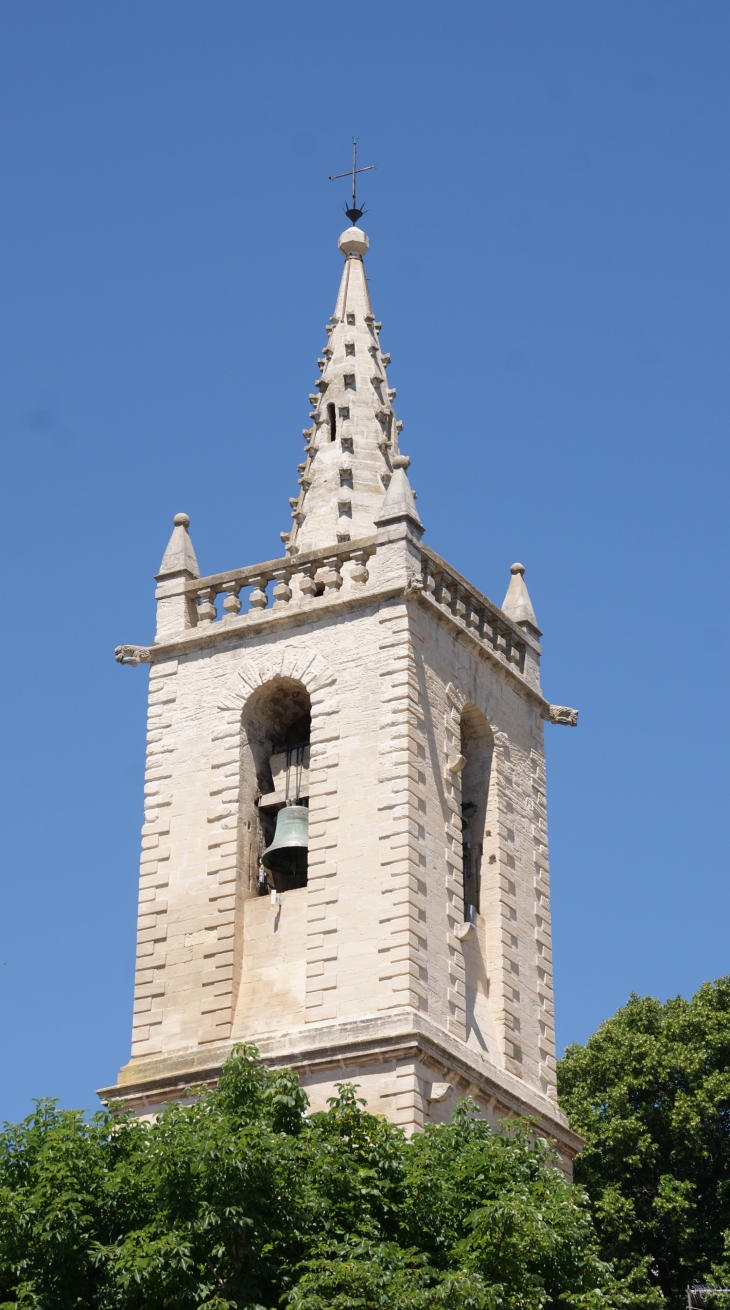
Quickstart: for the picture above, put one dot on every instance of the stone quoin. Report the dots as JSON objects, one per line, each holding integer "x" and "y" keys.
{"x": 361, "y": 677}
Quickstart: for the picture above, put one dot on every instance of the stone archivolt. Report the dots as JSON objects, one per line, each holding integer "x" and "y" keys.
{"x": 303, "y": 664}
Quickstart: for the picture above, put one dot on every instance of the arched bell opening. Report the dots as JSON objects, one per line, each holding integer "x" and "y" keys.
{"x": 277, "y": 725}
{"x": 478, "y": 822}
{"x": 477, "y": 748}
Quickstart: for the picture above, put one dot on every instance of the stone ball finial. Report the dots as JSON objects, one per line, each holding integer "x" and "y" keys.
{"x": 517, "y": 568}
{"x": 181, "y": 520}
{"x": 401, "y": 461}
{"x": 353, "y": 242}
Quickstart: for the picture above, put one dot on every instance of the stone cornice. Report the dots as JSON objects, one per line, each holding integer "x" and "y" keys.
{"x": 305, "y": 613}
{"x": 338, "y": 1044}
{"x": 297, "y": 615}
{"x": 256, "y": 621}
{"x": 306, "y": 610}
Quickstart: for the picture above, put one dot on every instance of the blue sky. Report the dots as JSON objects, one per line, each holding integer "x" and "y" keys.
{"x": 549, "y": 256}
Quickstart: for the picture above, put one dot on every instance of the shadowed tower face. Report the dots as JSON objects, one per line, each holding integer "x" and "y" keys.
{"x": 344, "y": 856}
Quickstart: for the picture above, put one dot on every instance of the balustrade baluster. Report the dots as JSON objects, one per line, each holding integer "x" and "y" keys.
{"x": 331, "y": 577}
{"x": 456, "y": 604}
{"x": 206, "y": 606}
{"x": 232, "y": 603}
{"x": 258, "y": 600}
{"x": 471, "y": 617}
{"x": 307, "y": 584}
{"x": 441, "y": 592}
{"x": 359, "y": 573}
{"x": 282, "y": 590}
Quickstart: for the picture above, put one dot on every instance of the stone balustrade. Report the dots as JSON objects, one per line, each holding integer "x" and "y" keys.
{"x": 298, "y": 579}
{"x": 278, "y": 582}
{"x": 469, "y": 607}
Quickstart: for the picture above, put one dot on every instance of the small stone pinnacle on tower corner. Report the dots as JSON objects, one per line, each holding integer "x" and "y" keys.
{"x": 179, "y": 557}
{"x": 517, "y": 604}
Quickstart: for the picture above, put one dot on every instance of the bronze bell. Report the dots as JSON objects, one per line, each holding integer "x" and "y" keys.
{"x": 286, "y": 857}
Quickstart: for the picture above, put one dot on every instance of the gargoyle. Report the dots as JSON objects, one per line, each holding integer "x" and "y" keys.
{"x": 561, "y": 714}
{"x": 133, "y": 655}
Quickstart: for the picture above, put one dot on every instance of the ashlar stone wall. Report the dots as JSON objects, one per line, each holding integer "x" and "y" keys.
{"x": 376, "y": 930}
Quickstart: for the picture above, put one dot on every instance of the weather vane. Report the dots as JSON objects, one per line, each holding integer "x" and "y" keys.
{"x": 353, "y": 213}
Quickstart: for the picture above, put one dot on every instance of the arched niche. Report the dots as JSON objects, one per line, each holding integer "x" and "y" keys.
{"x": 259, "y": 699}
{"x": 276, "y": 727}
{"x": 477, "y": 748}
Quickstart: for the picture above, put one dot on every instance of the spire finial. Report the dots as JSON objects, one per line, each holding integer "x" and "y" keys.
{"x": 353, "y": 213}
{"x": 353, "y": 241}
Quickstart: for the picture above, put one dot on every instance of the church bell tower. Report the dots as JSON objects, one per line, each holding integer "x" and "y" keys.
{"x": 344, "y": 854}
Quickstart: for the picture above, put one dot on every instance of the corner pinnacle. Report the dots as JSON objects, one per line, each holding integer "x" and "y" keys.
{"x": 517, "y": 604}
{"x": 179, "y": 556}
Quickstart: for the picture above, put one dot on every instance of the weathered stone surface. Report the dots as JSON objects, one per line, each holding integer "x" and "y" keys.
{"x": 133, "y": 655}
{"x": 562, "y": 714}
{"x": 416, "y": 960}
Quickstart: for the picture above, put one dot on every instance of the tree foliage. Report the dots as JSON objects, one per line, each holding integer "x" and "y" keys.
{"x": 241, "y": 1200}
{"x": 650, "y": 1092}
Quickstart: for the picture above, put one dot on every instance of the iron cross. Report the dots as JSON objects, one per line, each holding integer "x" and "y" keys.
{"x": 353, "y": 213}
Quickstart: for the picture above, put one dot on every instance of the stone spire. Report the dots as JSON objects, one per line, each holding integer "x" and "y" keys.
{"x": 517, "y": 604}
{"x": 349, "y": 456}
